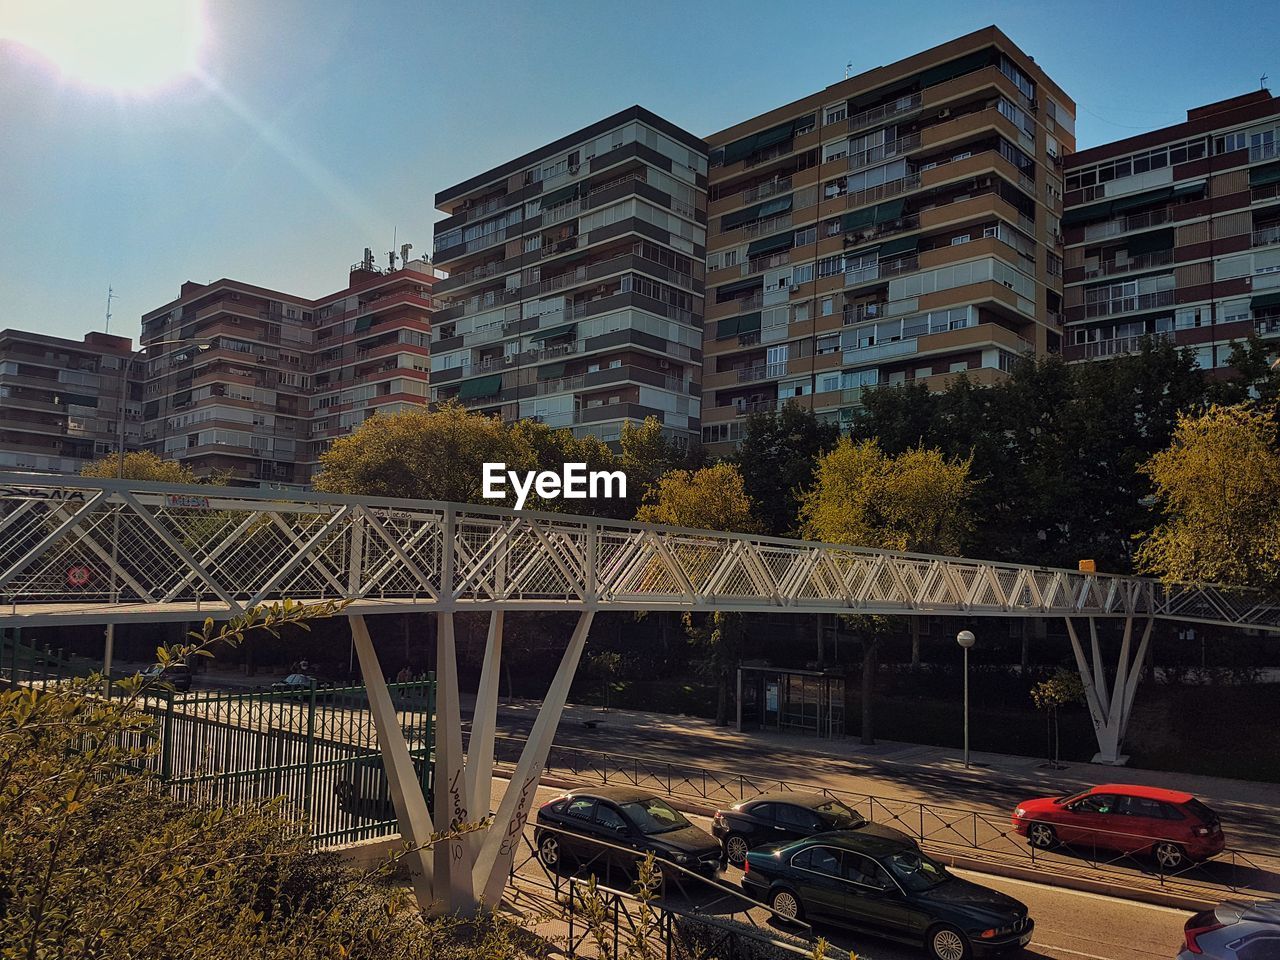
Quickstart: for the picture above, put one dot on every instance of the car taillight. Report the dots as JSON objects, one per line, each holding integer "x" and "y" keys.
{"x": 746, "y": 866}
{"x": 1198, "y": 926}
{"x": 719, "y": 817}
{"x": 1203, "y": 831}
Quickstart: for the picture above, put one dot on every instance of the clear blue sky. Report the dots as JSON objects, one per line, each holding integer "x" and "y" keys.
{"x": 332, "y": 123}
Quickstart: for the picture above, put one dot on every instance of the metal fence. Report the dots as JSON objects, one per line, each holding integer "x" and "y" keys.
{"x": 315, "y": 746}
{"x": 943, "y": 828}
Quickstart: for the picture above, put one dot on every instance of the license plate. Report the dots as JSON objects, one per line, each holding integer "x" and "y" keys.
{"x": 1024, "y": 939}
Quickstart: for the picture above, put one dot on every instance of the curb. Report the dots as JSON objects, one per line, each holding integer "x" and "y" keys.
{"x": 985, "y": 865}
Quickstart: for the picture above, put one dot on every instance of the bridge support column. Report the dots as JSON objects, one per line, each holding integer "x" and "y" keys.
{"x": 484, "y": 720}
{"x": 453, "y": 856}
{"x": 406, "y": 789}
{"x": 1109, "y": 711}
{"x": 502, "y": 840}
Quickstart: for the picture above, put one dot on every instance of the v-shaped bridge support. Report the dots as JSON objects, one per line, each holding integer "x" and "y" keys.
{"x": 1109, "y": 709}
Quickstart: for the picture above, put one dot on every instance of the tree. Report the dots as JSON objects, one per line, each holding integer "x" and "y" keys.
{"x": 916, "y": 501}
{"x": 1218, "y": 487}
{"x": 140, "y": 465}
{"x": 712, "y": 498}
{"x": 1062, "y": 689}
{"x": 647, "y": 453}
{"x": 777, "y": 458}
{"x": 1255, "y": 380}
{"x": 423, "y": 454}
{"x": 708, "y": 499}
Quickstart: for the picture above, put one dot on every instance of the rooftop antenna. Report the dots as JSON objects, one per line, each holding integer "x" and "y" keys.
{"x": 391, "y": 254}
{"x": 1262, "y": 81}
{"x": 848, "y": 69}
{"x": 111, "y": 295}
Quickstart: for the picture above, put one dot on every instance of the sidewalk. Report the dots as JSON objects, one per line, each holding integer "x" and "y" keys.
{"x": 994, "y": 783}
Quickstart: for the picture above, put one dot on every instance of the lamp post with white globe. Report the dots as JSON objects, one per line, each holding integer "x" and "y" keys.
{"x": 966, "y": 640}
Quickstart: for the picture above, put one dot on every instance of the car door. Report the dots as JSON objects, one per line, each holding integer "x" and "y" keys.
{"x": 1142, "y": 821}
{"x": 613, "y": 828}
{"x": 759, "y": 824}
{"x": 874, "y": 898}
{"x": 1092, "y": 823}
{"x": 795, "y": 823}
{"x": 818, "y": 873}
{"x": 578, "y": 815}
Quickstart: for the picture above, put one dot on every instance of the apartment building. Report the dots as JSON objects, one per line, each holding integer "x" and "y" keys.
{"x": 900, "y": 226}
{"x": 61, "y": 400}
{"x": 259, "y": 382}
{"x": 1176, "y": 233}
{"x": 576, "y": 281}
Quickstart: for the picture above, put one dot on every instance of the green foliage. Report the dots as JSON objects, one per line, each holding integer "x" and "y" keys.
{"x": 712, "y": 498}
{"x": 140, "y": 465}
{"x": 646, "y": 455}
{"x": 1062, "y": 689}
{"x": 915, "y": 501}
{"x": 777, "y": 457}
{"x": 1218, "y": 487}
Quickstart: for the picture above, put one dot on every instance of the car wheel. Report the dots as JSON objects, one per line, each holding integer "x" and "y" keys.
{"x": 1169, "y": 856}
{"x": 1042, "y": 835}
{"x": 947, "y": 943}
{"x": 735, "y": 849}
{"x": 549, "y": 851}
{"x": 786, "y": 905}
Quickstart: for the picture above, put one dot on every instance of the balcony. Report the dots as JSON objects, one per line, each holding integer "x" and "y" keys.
{"x": 867, "y": 158}
{"x": 1100, "y": 349}
{"x": 759, "y": 371}
{"x": 1144, "y": 301}
{"x": 881, "y": 351}
{"x": 766, "y": 189}
{"x": 882, "y": 270}
{"x": 1139, "y": 221}
{"x": 861, "y": 312}
{"x": 881, "y": 192}
{"x": 884, "y": 112}
{"x": 1146, "y": 261}
{"x": 766, "y": 227}
{"x": 1266, "y": 236}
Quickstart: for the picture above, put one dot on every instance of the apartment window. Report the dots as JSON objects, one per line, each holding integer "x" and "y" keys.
{"x": 922, "y": 372}
{"x": 834, "y": 151}
{"x": 800, "y": 312}
{"x": 805, "y": 125}
{"x": 593, "y": 368}
{"x": 832, "y": 228}
{"x": 829, "y": 382}
{"x": 829, "y": 344}
{"x": 959, "y": 366}
{"x": 801, "y": 273}
{"x": 805, "y": 236}
{"x": 615, "y": 364}
{"x": 1054, "y": 265}
{"x": 730, "y": 258}
{"x": 828, "y": 306}
{"x": 963, "y": 238}
{"x": 1188, "y": 318}
{"x": 533, "y": 243}
{"x": 837, "y": 113}
{"x": 1230, "y": 141}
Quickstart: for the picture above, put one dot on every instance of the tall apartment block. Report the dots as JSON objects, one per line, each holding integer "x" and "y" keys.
{"x": 61, "y": 399}
{"x": 898, "y": 227}
{"x": 1176, "y": 233}
{"x": 280, "y": 376}
{"x": 576, "y": 281}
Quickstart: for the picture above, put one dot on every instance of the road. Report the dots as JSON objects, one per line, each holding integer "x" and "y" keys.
{"x": 1070, "y": 925}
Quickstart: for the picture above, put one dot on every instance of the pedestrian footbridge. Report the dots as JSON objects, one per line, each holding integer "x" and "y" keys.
{"x": 76, "y": 550}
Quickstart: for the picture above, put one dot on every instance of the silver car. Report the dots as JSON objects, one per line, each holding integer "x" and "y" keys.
{"x": 1234, "y": 930}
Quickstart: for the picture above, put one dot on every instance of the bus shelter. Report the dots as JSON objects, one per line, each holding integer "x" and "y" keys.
{"x": 796, "y": 701}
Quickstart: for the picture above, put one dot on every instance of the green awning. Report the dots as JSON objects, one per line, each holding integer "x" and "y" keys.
{"x": 901, "y": 245}
{"x": 552, "y": 332}
{"x": 179, "y": 399}
{"x": 749, "y": 323}
{"x": 363, "y": 324}
{"x": 551, "y": 371}
{"x": 1265, "y": 300}
{"x": 739, "y": 217}
{"x": 774, "y": 135}
{"x": 1150, "y": 242}
{"x": 858, "y": 219}
{"x": 738, "y": 286}
{"x": 562, "y": 195}
{"x": 958, "y": 68}
{"x": 773, "y": 207}
{"x": 890, "y": 210}
{"x": 480, "y": 387}
{"x": 1261, "y": 176}
{"x": 862, "y": 102}
{"x": 727, "y": 329}
{"x": 740, "y": 149}
{"x": 84, "y": 400}
{"x": 1189, "y": 189}
{"x": 781, "y": 241}
{"x": 1096, "y": 211}
{"x": 1141, "y": 199}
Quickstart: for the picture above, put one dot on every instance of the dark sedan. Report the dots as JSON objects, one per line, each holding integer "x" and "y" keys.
{"x": 887, "y": 887}
{"x": 779, "y": 817}
{"x": 628, "y": 817}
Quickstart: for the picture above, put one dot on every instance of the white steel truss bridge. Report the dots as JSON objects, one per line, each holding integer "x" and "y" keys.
{"x": 76, "y": 550}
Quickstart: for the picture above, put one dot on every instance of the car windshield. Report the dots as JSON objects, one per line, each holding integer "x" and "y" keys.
{"x": 842, "y": 815}
{"x": 1200, "y": 811}
{"x": 915, "y": 871}
{"x": 653, "y": 816}
{"x": 1071, "y": 797}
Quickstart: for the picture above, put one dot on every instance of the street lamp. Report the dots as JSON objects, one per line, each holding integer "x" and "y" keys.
{"x": 966, "y": 639}
{"x": 199, "y": 343}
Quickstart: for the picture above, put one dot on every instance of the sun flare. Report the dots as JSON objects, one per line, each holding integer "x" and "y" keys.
{"x": 129, "y": 46}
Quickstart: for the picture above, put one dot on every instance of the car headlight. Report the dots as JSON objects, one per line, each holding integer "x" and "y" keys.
{"x": 682, "y": 858}
{"x": 1020, "y": 813}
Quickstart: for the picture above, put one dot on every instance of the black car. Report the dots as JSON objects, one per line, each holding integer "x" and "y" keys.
{"x": 294, "y": 683}
{"x": 779, "y": 817}
{"x": 888, "y": 887}
{"x": 176, "y": 675}
{"x": 629, "y": 817}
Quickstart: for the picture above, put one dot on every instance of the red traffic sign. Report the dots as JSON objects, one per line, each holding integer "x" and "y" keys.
{"x": 79, "y": 576}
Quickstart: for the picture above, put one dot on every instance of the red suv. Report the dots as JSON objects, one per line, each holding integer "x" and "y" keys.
{"x": 1174, "y": 827}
